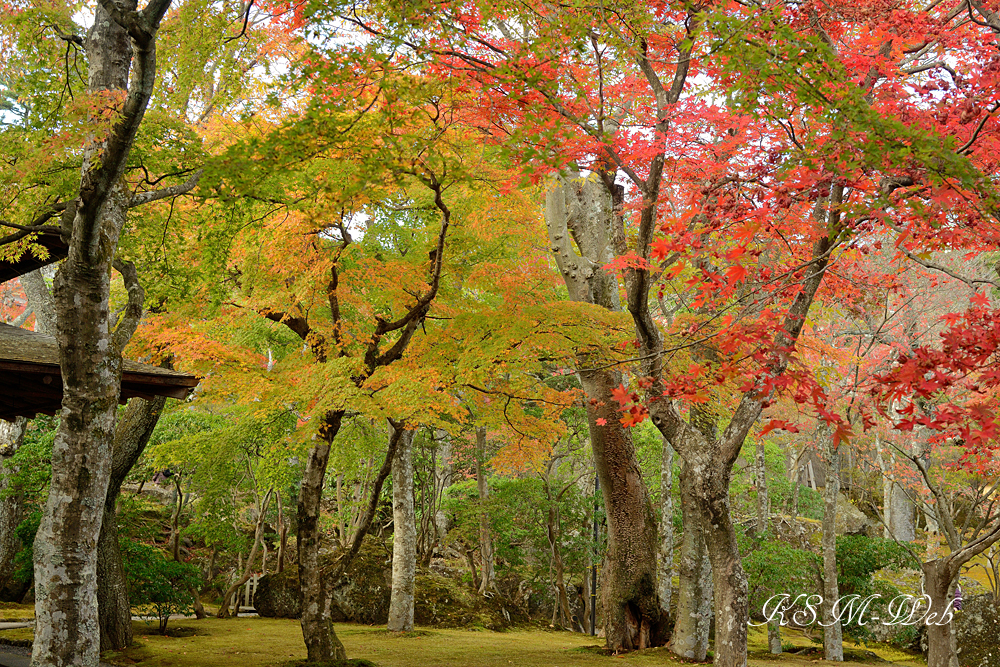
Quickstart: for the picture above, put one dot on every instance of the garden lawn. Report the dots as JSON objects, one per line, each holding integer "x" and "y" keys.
{"x": 257, "y": 642}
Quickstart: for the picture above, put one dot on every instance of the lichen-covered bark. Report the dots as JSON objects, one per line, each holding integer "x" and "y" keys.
{"x": 66, "y": 625}
{"x": 487, "y": 574}
{"x": 833, "y": 642}
{"x": 132, "y": 433}
{"x": 404, "y": 537}
{"x": 665, "y": 556}
{"x": 694, "y": 597}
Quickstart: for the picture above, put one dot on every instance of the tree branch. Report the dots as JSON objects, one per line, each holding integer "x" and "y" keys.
{"x": 172, "y": 191}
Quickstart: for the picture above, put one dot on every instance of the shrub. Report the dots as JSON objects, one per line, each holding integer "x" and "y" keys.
{"x": 166, "y": 586}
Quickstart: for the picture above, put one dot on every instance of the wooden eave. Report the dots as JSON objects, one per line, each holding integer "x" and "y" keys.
{"x": 31, "y": 383}
{"x": 51, "y": 241}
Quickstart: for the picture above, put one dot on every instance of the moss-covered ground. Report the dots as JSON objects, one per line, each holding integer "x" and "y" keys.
{"x": 11, "y": 611}
{"x": 258, "y": 642}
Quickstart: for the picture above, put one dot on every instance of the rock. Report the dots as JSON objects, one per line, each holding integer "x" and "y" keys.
{"x": 362, "y": 596}
{"x": 977, "y": 629}
{"x": 277, "y": 596}
{"x": 851, "y": 520}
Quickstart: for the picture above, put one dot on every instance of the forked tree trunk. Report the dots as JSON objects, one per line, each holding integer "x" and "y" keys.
{"x": 694, "y": 598}
{"x": 131, "y": 436}
{"x": 404, "y": 537}
{"x": 11, "y": 499}
{"x": 582, "y": 210}
{"x": 486, "y": 581}
{"x": 833, "y": 644}
{"x": 665, "y": 556}
{"x": 66, "y": 624}
{"x": 322, "y": 644}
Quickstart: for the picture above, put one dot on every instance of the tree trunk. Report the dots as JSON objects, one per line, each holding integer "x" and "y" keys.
{"x": 760, "y": 481}
{"x": 555, "y": 538}
{"x": 694, "y": 598}
{"x": 322, "y": 644}
{"x": 731, "y": 595}
{"x": 486, "y": 580}
{"x": 404, "y": 537}
{"x": 175, "y": 520}
{"x": 341, "y": 512}
{"x": 442, "y": 480}
{"x": 131, "y": 436}
{"x": 901, "y": 515}
{"x": 583, "y": 210}
{"x": 632, "y": 615}
{"x": 833, "y": 645}
{"x": 774, "y": 637}
{"x": 282, "y": 533}
{"x": 665, "y": 556}
{"x": 939, "y": 585}
{"x": 258, "y": 539}
{"x": 11, "y": 499}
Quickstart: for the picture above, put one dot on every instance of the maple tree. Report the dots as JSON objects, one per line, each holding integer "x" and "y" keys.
{"x": 840, "y": 150}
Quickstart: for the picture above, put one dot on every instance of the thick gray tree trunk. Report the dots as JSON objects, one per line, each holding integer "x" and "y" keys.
{"x": 487, "y": 575}
{"x": 66, "y": 624}
{"x": 404, "y": 537}
{"x": 833, "y": 642}
{"x": 665, "y": 556}
{"x": 11, "y": 498}
{"x": 902, "y": 515}
{"x": 694, "y": 596}
{"x": 131, "y": 436}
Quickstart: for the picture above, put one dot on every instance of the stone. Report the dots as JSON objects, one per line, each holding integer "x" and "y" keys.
{"x": 977, "y": 629}
{"x": 362, "y": 596}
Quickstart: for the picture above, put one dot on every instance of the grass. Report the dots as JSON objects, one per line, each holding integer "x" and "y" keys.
{"x": 259, "y": 642}
{"x": 11, "y": 611}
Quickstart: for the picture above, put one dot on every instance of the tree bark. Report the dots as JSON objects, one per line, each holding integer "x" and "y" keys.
{"x": 665, "y": 556}
{"x": 67, "y": 631}
{"x": 833, "y": 642}
{"x": 11, "y": 499}
{"x": 404, "y": 537}
{"x": 582, "y": 210}
{"x": 487, "y": 575}
{"x": 774, "y": 637}
{"x": 760, "y": 481}
{"x": 175, "y": 519}
{"x": 554, "y": 535}
{"x": 442, "y": 480}
{"x": 282, "y": 533}
{"x": 131, "y": 436}
{"x": 322, "y": 644}
{"x": 939, "y": 582}
{"x": 902, "y": 525}
{"x": 694, "y": 597}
